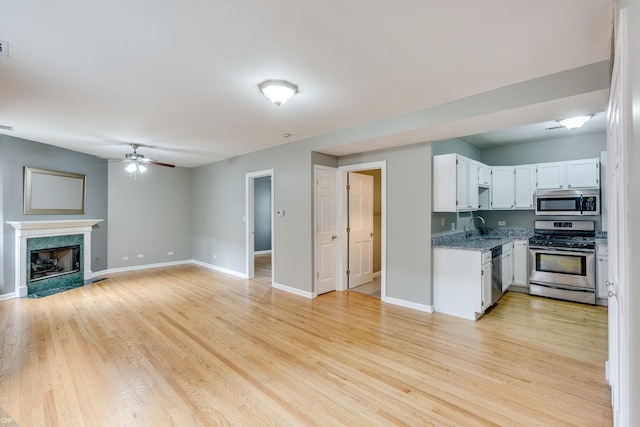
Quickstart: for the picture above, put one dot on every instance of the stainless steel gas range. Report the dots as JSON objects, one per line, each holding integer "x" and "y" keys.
{"x": 562, "y": 260}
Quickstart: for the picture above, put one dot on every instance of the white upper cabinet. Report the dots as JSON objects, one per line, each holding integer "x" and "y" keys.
{"x": 583, "y": 173}
{"x": 455, "y": 183}
{"x": 472, "y": 197}
{"x": 461, "y": 184}
{"x": 484, "y": 175}
{"x": 502, "y": 187}
{"x": 525, "y": 186}
{"x": 574, "y": 174}
{"x": 552, "y": 176}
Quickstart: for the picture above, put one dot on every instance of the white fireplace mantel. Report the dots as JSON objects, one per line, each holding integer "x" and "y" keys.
{"x": 31, "y": 229}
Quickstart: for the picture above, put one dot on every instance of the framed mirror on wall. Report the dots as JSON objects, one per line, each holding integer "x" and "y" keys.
{"x": 48, "y": 192}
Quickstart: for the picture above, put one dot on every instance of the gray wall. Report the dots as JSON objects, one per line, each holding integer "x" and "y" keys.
{"x": 552, "y": 150}
{"x": 219, "y": 209}
{"x": 149, "y": 214}
{"x": 16, "y": 153}
{"x": 634, "y": 209}
{"x": 262, "y": 213}
{"x": 407, "y": 219}
{"x": 458, "y": 146}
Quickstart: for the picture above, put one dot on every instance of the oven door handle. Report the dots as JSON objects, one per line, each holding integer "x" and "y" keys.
{"x": 552, "y": 249}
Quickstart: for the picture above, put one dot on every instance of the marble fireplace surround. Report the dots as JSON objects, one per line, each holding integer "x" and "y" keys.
{"x": 32, "y": 229}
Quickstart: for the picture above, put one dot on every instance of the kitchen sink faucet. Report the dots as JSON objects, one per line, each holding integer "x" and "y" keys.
{"x": 470, "y": 232}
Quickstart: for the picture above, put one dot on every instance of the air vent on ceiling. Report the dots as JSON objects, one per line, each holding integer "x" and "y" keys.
{"x": 3, "y": 127}
{"x": 4, "y": 48}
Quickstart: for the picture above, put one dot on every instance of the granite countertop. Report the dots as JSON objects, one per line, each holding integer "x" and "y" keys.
{"x": 480, "y": 242}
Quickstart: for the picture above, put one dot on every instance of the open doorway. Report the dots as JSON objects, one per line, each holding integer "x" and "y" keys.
{"x": 364, "y": 222}
{"x": 259, "y": 226}
{"x": 362, "y": 218}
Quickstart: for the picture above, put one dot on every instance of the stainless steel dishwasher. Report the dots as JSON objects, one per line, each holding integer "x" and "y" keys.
{"x": 496, "y": 274}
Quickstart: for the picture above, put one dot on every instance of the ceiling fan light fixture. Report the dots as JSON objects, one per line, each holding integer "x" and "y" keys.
{"x": 575, "y": 122}
{"x": 136, "y": 166}
{"x": 278, "y": 91}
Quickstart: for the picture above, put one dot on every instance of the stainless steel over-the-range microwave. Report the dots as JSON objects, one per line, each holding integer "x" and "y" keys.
{"x": 567, "y": 202}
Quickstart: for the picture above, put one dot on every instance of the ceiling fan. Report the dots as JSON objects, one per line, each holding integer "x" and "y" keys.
{"x": 138, "y": 161}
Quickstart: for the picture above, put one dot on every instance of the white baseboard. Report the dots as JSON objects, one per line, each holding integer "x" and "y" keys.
{"x": 10, "y": 295}
{"x": 268, "y": 251}
{"x": 377, "y": 274}
{"x": 408, "y": 304}
{"x": 138, "y": 267}
{"x": 294, "y": 290}
{"x": 220, "y": 269}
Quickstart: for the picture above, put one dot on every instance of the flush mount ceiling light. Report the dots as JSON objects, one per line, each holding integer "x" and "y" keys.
{"x": 278, "y": 91}
{"x": 575, "y": 122}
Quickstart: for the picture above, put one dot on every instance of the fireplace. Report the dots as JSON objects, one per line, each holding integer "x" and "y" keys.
{"x": 46, "y": 263}
{"x": 49, "y": 245}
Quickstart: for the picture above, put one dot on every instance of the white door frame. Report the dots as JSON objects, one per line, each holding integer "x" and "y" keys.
{"x": 249, "y": 222}
{"x": 316, "y": 256}
{"x": 342, "y": 206}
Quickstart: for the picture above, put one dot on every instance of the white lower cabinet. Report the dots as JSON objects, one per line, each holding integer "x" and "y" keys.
{"x": 507, "y": 265}
{"x": 521, "y": 263}
{"x": 461, "y": 292}
{"x": 602, "y": 267}
{"x": 486, "y": 280}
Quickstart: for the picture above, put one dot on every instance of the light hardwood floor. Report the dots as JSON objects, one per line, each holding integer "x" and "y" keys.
{"x": 187, "y": 346}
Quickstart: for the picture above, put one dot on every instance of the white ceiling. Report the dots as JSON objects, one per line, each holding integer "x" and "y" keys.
{"x": 181, "y": 77}
{"x": 536, "y": 132}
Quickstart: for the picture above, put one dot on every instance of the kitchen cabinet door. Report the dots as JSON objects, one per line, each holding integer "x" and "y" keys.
{"x": 455, "y": 183}
{"x": 472, "y": 189}
{"x": 484, "y": 175}
{"x": 507, "y": 266}
{"x": 602, "y": 270}
{"x": 462, "y": 183}
{"x": 552, "y": 176}
{"x": 521, "y": 263}
{"x": 583, "y": 173}
{"x": 502, "y": 187}
{"x": 525, "y": 186}
{"x": 486, "y": 286}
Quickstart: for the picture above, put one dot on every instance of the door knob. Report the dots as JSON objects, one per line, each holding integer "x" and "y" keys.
{"x": 608, "y": 283}
{"x": 334, "y": 237}
{"x": 611, "y": 294}
{"x": 371, "y": 234}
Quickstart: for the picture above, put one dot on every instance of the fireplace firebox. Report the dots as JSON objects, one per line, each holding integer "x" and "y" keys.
{"x": 47, "y": 263}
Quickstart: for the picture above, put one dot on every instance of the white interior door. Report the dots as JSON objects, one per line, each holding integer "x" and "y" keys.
{"x": 326, "y": 230}
{"x": 618, "y": 227}
{"x": 360, "y": 199}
